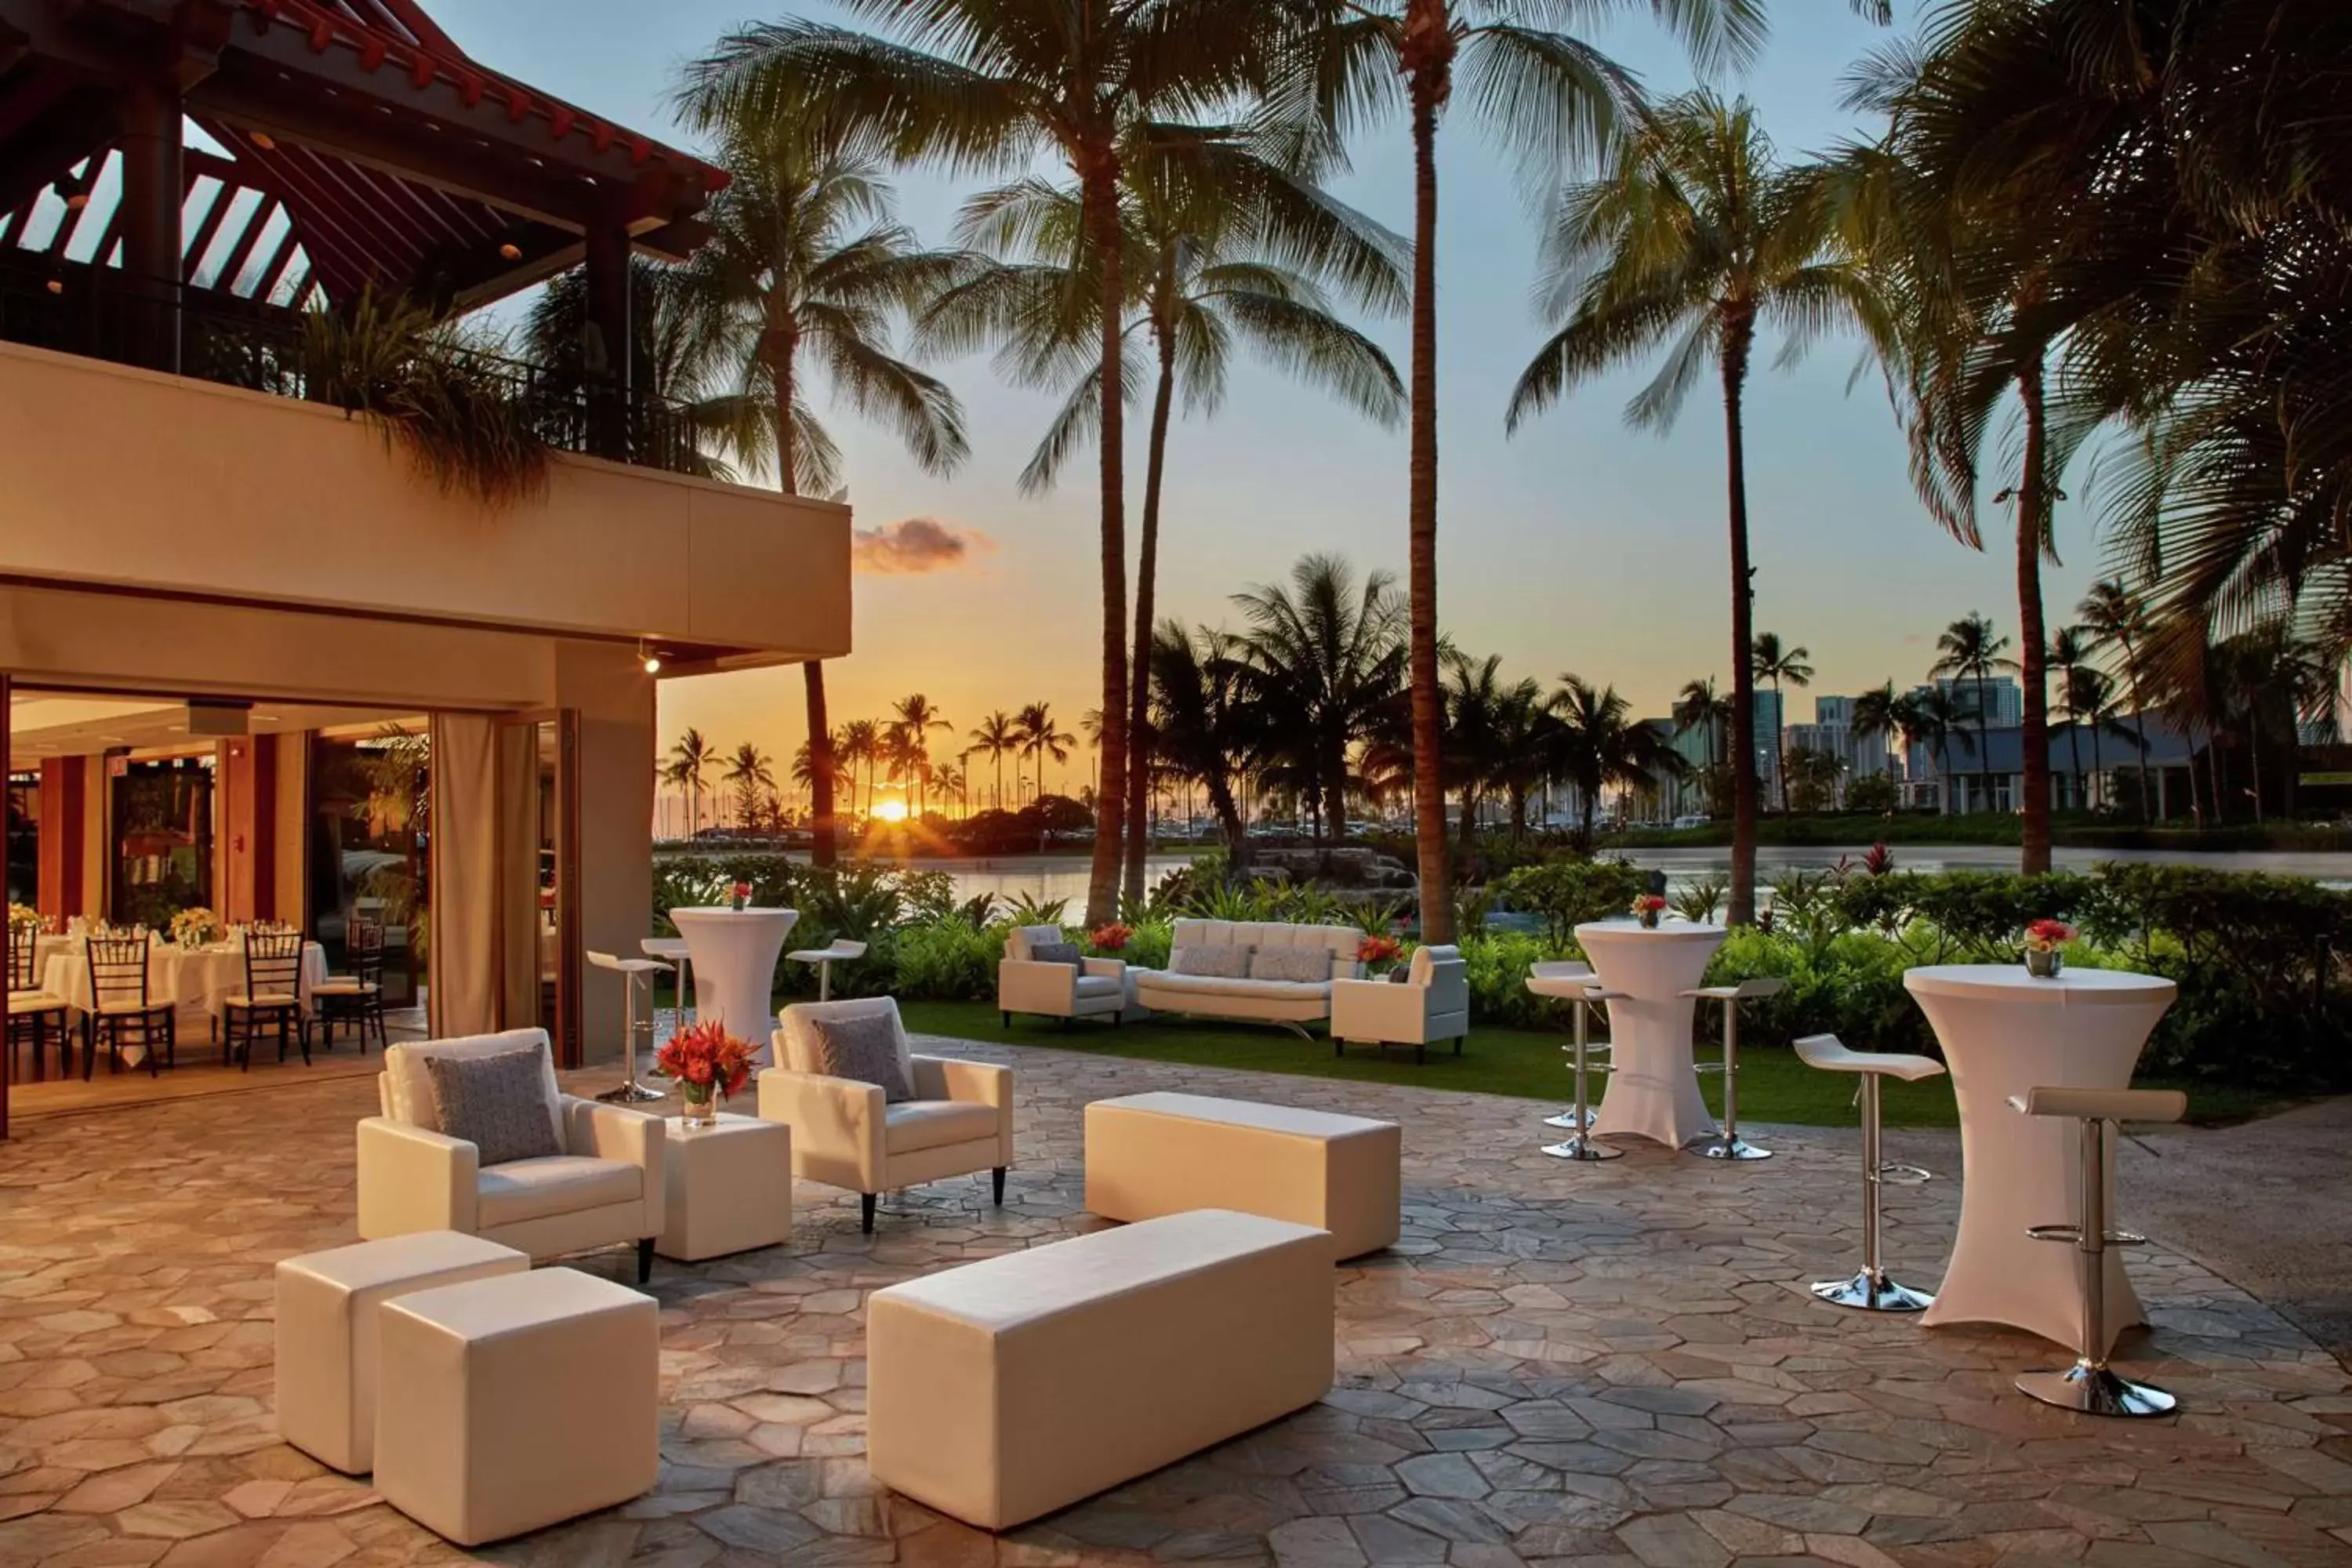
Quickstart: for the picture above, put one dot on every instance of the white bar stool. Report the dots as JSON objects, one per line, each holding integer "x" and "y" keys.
{"x": 1870, "y": 1290}
{"x": 634, "y": 972}
{"x": 843, "y": 951}
{"x": 1545, "y": 979}
{"x": 2090, "y": 1385}
{"x": 1727, "y": 1144}
{"x": 1572, "y": 970}
{"x": 673, "y": 950}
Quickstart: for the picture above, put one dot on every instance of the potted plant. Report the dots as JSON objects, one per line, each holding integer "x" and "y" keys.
{"x": 194, "y": 926}
{"x": 709, "y": 1065}
{"x": 1378, "y": 954}
{"x": 1111, "y": 938}
{"x": 1649, "y": 909}
{"x": 2045, "y": 948}
{"x": 738, "y": 897}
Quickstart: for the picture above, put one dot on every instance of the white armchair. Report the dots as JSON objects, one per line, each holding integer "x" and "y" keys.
{"x": 1093, "y": 989}
{"x": 605, "y": 1188}
{"x": 960, "y": 1122}
{"x": 1433, "y": 1003}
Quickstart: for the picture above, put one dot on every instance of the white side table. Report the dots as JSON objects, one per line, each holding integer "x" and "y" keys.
{"x": 725, "y": 1188}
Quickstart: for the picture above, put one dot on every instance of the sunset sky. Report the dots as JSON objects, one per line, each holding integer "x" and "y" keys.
{"x": 1579, "y": 545}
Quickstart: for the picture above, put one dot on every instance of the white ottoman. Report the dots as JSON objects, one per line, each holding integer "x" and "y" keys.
{"x": 1150, "y": 1154}
{"x": 725, "y": 1189}
{"x": 1011, "y": 1387}
{"x": 510, "y": 1403}
{"x": 327, "y": 1304}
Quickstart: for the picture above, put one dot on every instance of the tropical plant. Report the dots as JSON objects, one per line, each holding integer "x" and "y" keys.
{"x": 1324, "y": 654}
{"x": 1226, "y": 246}
{"x": 1206, "y": 731}
{"x": 1546, "y": 95}
{"x": 2114, "y": 622}
{"x": 1597, "y": 743}
{"x": 1970, "y": 650}
{"x": 691, "y": 757}
{"x": 916, "y": 718}
{"x": 1695, "y": 237}
{"x": 1042, "y": 739}
{"x": 1011, "y": 79}
{"x": 2069, "y": 648}
{"x": 1778, "y": 664}
{"x": 996, "y": 737}
{"x": 1496, "y": 737}
{"x": 750, "y": 774}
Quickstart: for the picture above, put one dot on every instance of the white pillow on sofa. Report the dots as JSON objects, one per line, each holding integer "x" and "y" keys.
{"x": 1221, "y": 962}
{"x": 1299, "y": 965}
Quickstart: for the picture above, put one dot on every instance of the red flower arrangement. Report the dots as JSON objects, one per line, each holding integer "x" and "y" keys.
{"x": 1648, "y": 908}
{"x": 1112, "y": 937}
{"x": 706, "y": 1060}
{"x": 2048, "y": 936}
{"x": 739, "y": 895}
{"x": 1377, "y": 952}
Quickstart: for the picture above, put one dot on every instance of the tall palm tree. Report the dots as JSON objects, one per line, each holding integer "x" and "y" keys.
{"x": 750, "y": 775}
{"x": 1327, "y": 653}
{"x": 1882, "y": 713}
{"x": 1492, "y": 743}
{"x": 2069, "y": 648}
{"x": 1698, "y": 706}
{"x": 1935, "y": 718}
{"x": 691, "y": 757}
{"x": 1551, "y": 96}
{"x": 1209, "y": 731}
{"x": 2115, "y": 620}
{"x": 1600, "y": 744}
{"x": 1225, "y": 246}
{"x": 996, "y": 737}
{"x": 1695, "y": 237}
{"x": 916, "y": 717}
{"x": 994, "y": 83}
{"x": 1041, "y": 739}
{"x": 1776, "y": 663}
{"x": 2089, "y": 692}
{"x": 1969, "y": 649}
{"x": 861, "y": 743}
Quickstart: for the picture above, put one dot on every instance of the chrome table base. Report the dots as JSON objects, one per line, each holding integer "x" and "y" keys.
{"x": 1873, "y": 1292}
{"x": 2096, "y": 1390}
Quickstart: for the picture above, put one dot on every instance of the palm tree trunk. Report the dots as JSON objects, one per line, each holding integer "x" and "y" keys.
{"x": 2139, "y": 722}
{"x": 1736, "y": 334}
{"x": 2075, "y": 739}
{"x": 1428, "y": 725}
{"x": 2098, "y": 752}
{"x": 1098, "y": 176}
{"x": 822, "y": 849}
{"x": 1780, "y": 742}
{"x": 1147, "y": 569}
{"x": 2033, "y": 536}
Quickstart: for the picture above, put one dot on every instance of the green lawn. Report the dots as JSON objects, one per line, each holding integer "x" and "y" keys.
{"x": 1774, "y": 1086}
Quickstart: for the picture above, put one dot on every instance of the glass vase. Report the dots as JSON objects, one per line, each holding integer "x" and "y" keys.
{"x": 701, "y": 1110}
{"x": 2044, "y": 965}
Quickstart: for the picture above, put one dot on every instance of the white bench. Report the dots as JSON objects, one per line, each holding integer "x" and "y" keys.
{"x": 1150, "y": 1154}
{"x": 1011, "y": 1387}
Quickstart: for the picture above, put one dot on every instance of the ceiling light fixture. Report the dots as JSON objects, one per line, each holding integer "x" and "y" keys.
{"x": 512, "y": 251}
{"x": 265, "y": 141}
{"x": 652, "y": 660}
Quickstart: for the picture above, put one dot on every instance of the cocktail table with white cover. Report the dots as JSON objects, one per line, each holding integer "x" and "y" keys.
{"x": 2005, "y": 1032}
{"x": 735, "y": 953}
{"x": 327, "y": 1304}
{"x": 510, "y": 1404}
{"x": 725, "y": 1188}
{"x": 1653, "y": 1082}
{"x": 1011, "y": 1387}
{"x": 1152, "y": 1154}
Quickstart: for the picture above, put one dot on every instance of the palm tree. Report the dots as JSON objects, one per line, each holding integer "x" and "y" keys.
{"x": 1209, "y": 733}
{"x": 1325, "y": 653}
{"x": 1777, "y": 664}
{"x": 949, "y": 779}
{"x": 918, "y": 718}
{"x": 1882, "y": 713}
{"x": 1040, "y": 739}
{"x": 689, "y": 756}
{"x": 2115, "y": 620}
{"x": 1969, "y": 649}
{"x": 1492, "y": 741}
{"x": 1225, "y": 246}
{"x": 1601, "y": 744}
{"x": 996, "y": 737}
{"x": 861, "y": 742}
{"x": 1012, "y": 78}
{"x": 836, "y": 758}
{"x": 2089, "y": 693}
{"x": 1698, "y": 237}
{"x": 2069, "y": 648}
{"x": 1935, "y": 718}
{"x": 1552, "y": 97}
{"x": 751, "y": 774}
{"x": 1698, "y": 706}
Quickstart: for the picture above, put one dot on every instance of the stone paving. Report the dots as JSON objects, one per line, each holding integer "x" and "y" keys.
{"x": 1611, "y": 1363}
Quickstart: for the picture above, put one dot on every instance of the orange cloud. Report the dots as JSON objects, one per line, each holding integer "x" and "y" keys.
{"x": 915, "y": 545}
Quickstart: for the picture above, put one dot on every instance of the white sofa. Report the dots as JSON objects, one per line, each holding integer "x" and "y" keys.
{"x": 960, "y": 1122}
{"x": 605, "y": 1188}
{"x": 1096, "y": 988}
{"x": 1432, "y": 1002}
{"x": 1291, "y": 1003}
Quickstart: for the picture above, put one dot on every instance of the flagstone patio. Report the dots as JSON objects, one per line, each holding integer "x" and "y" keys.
{"x": 1611, "y": 1363}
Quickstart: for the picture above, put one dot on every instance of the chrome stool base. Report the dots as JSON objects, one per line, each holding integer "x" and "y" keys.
{"x": 1731, "y": 1146}
{"x": 1869, "y": 1293}
{"x": 2097, "y": 1390}
{"x": 1582, "y": 1147}
{"x": 1567, "y": 1121}
{"x": 631, "y": 1092}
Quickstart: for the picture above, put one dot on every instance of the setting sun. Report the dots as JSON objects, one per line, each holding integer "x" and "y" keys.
{"x": 891, "y": 811}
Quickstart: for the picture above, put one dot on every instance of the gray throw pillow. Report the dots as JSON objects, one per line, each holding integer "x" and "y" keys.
{"x": 1298, "y": 964}
{"x": 864, "y": 1049}
{"x": 1057, "y": 952}
{"x": 1221, "y": 962}
{"x": 498, "y": 1103}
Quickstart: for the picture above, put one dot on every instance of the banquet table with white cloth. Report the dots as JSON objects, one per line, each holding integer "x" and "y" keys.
{"x": 734, "y": 954}
{"x": 2005, "y": 1032}
{"x": 1652, "y": 1081}
{"x": 197, "y": 982}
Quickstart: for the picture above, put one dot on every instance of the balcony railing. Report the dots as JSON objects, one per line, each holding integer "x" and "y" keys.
{"x": 103, "y": 314}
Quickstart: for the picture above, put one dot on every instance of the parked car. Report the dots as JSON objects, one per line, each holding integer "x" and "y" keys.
{"x": 1683, "y": 821}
